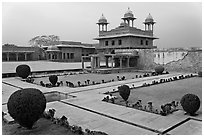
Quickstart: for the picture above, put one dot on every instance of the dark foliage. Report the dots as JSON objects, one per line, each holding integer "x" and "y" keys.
{"x": 159, "y": 69}
{"x": 53, "y": 79}
{"x": 124, "y": 92}
{"x": 23, "y": 71}
{"x": 26, "y": 106}
{"x": 200, "y": 73}
{"x": 190, "y": 103}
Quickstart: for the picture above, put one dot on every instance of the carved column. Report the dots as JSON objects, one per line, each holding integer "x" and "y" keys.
{"x": 121, "y": 62}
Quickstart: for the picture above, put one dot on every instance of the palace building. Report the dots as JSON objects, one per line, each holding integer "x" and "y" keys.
{"x": 120, "y": 45}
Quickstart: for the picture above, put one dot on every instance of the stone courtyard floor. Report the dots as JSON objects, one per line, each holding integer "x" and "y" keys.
{"x": 88, "y": 111}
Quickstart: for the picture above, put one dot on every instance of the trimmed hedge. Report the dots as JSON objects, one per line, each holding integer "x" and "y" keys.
{"x": 200, "y": 74}
{"x": 26, "y": 106}
{"x": 23, "y": 71}
{"x": 53, "y": 79}
{"x": 124, "y": 92}
{"x": 190, "y": 103}
{"x": 159, "y": 69}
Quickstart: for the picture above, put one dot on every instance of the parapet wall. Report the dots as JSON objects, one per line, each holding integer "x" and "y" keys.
{"x": 179, "y": 61}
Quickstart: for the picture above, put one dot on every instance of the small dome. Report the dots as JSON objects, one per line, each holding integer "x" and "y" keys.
{"x": 149, "y": 18}
{"x": 123, "y": 24}
{"x": 53, "y": 48}
{"x": 102, "y": 19}
{"x": 128, "y": 14}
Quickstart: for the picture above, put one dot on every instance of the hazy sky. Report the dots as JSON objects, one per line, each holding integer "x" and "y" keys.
{"x": 177, "y": 24}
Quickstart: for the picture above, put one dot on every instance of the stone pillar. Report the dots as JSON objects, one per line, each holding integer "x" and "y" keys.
{"x": 98, "y": 27}
{"x": 92, "y": 63}
{"x": 121, "y": 62}
{"x": 128, "y": 62}
{"x": 16, "y": 56}
{"x": 7, "y": 56}
{"x": 152, "y": 27}
{"x": 106, "y": 28}
{"x": 145, "y": 27}
{"x": 106, "y": 62}
{"x": 132, "y": 23}
{"x": 82, "y": 61}
{"x": 112, "y": 62}
{"x": 97, "y": 62}
{"x": 25, "y": 56}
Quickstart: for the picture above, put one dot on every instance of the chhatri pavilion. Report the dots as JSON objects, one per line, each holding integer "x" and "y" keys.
{"x": 119, "y": 46}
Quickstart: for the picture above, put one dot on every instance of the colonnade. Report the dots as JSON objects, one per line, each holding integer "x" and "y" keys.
{"x": 95, "y": 61}
{"x": 16, "y": 57}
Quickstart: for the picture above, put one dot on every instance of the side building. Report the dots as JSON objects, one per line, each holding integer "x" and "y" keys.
{"x": 69, "y": 51}
{"x": 21, "y": 53}
{"x": 63, "y": 51}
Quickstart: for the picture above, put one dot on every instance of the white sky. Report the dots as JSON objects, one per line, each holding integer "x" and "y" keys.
{"x": 178, "y": 24}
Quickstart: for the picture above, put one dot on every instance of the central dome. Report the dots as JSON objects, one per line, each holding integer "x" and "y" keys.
{"x": 102, "y": 19}
{"x": 128, "y": 14}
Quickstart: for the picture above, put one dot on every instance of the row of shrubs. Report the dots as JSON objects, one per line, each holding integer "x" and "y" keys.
{"x": 168, "y": 80}
{"x": 54, "y": 81}
{"x": 189, "y": 102}
{"x": 166, "y": 109}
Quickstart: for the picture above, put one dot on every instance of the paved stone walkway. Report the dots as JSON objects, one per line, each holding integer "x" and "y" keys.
{"x": 88, "y": 111}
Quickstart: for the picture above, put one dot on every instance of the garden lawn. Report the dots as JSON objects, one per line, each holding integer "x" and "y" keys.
{"x": 165, "y": 92}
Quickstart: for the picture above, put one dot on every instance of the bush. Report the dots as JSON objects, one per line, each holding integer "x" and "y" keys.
{"x": 190, "y": 103}
{"x": 53, "y": 79}
{"x": 124, "y": 92}
{"x": 26, "y": 106}
{"x": 23, "y": 71}
{"x": 159, "y": 69}
{"x": 200, "y": 73}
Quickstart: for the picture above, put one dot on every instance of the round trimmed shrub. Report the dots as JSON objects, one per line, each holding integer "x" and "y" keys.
{"x": 53, "y": 79}
{"x": 23, "y": 71}
{"x": 190, "y": 103}
{"x": 124, "y": 92}
{"x": 26, "y": 106}
{"x": 159, "y": 69}
{"x": 200, "y": 74}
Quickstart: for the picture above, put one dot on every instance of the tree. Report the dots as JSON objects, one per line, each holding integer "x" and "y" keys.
{"x": 159, "y": 69}
{"x": 26, "y": 106}
{"x": 23, "y": 71}
{"x": 124, "y": 92}
{"x": 53, "y": 79}
{"x": 44, "y": 40}
{"x": 200, "y": 74}
{"x": 190, "y": 103}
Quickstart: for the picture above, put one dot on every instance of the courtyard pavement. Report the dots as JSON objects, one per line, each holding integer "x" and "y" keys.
{"x": 10, "y": 67}
{"x": 87, "y": 110}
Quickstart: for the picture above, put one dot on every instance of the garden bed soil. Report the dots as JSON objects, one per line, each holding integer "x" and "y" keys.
{"x": 42, "y": 127}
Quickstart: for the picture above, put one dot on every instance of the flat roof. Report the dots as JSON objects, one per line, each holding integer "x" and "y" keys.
{"x": 71, "y": 46}
{"x": 125, "y": 35}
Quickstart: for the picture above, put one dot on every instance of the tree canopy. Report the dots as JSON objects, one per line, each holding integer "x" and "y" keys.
{"x": 44, "y": 40}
